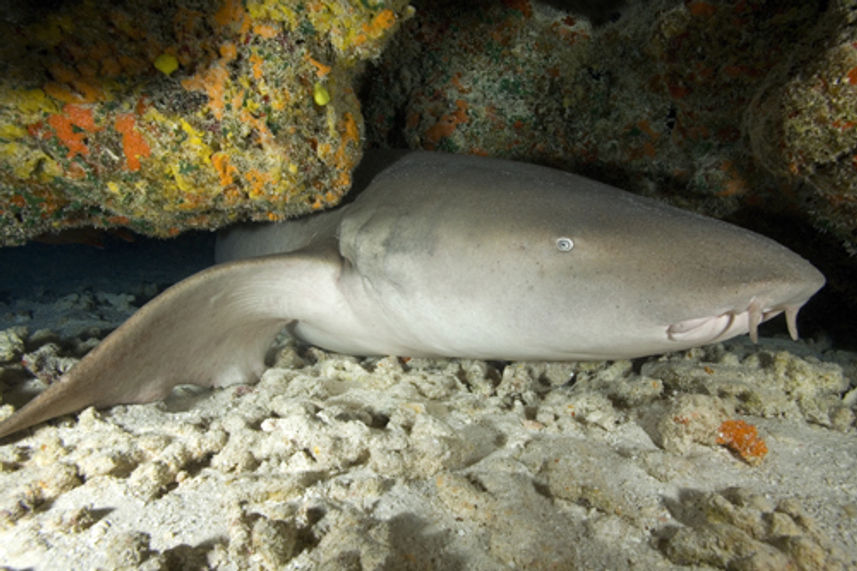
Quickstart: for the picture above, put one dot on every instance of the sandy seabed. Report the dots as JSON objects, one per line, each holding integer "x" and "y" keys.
{"x": 337, "y": 462}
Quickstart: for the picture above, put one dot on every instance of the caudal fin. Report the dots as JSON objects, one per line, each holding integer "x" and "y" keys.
{"x": 211, "y": 329}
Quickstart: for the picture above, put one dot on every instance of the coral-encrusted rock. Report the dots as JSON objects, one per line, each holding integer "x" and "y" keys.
{"x": 171, "y": 114}
{"x": 803, "y": 122}
{"x": 723, "y": 107}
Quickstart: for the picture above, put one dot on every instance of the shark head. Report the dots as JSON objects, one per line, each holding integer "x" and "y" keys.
{"x": 497, "y": 259}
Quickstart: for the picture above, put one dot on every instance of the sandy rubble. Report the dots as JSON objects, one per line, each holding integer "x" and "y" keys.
{"x": 337, "y": 462}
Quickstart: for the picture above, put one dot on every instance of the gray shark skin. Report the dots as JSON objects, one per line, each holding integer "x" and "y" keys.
{"x": 448, "y": 256}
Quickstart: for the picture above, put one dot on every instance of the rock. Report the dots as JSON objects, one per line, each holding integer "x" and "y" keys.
{"x": 164, "y": 116}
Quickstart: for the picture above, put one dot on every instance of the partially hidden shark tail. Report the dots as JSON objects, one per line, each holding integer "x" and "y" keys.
{"x": 211, "y": 329}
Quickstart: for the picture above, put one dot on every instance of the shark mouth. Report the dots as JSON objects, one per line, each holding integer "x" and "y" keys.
{"x": 732, "y": 323}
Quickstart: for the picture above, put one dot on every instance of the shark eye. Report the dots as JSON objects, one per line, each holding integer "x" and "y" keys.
{"x": 564, "y": 244}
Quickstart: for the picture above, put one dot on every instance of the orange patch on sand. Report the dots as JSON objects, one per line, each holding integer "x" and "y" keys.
{"x": 743, "y": 439}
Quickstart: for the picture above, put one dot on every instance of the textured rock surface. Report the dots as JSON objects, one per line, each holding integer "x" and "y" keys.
{"x": 168, "y": 115}
{"x": 173, "y": 115}
{"x": 725, "y": 107}
{"x": 336, "y": 462}
{"x": 389, "y": 463}
{"x": 386, "y": 463}
{"x": 383, "y": 463}
{"x": 803, "y": 121}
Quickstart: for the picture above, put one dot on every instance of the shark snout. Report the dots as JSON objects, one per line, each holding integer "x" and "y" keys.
{"x": 757, "y": 302}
